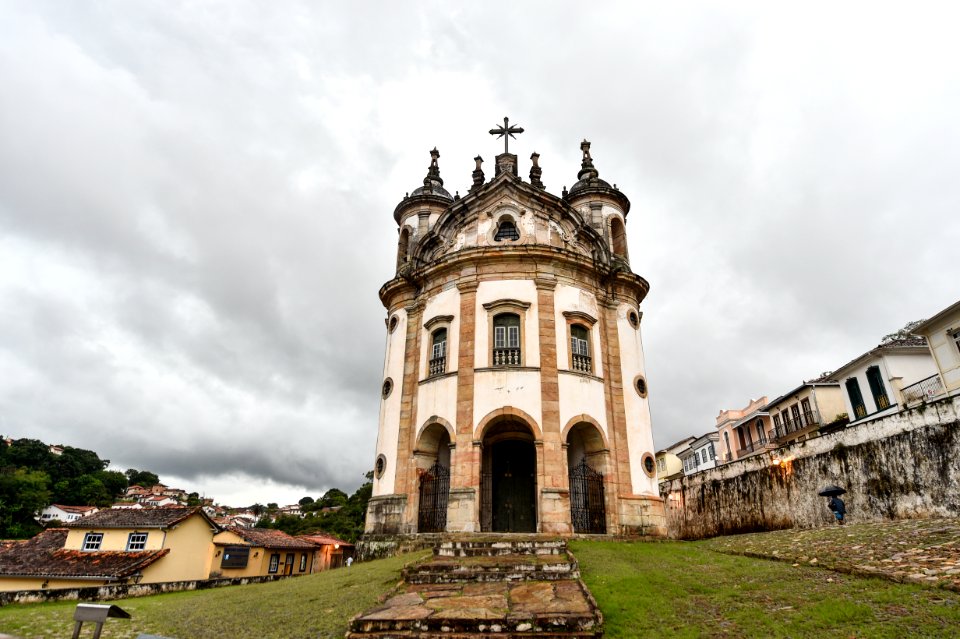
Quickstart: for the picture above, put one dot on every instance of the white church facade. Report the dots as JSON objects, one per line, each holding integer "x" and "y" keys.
{"x": 514, "y": 396}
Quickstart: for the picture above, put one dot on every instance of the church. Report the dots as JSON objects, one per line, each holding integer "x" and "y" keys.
{"x": 514, "y": 396}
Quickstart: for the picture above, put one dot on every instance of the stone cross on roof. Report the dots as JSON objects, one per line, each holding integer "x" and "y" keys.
{"x": 506, "y": 132}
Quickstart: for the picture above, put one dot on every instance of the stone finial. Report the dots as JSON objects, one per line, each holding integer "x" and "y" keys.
{"x": 477, "y": 174}
{"x": 587, "y": 169}
{"x": 536, "y": 171}
{"x": 433, "y": 172}
{"x": 507, "y": 163}
{"x": 564, "y": 192}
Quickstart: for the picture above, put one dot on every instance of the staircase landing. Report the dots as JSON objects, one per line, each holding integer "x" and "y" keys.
{"x": 492, "y": 588}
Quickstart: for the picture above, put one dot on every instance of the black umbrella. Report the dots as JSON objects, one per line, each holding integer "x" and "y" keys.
{"x": 831, "y": 491}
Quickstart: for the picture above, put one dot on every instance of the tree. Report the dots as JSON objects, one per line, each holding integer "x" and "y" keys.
{"x": 304, "y": 501}
{"x": 272, "y": 505}
{"x": 74, "y": 462}
{"x": 141, "y": 478}
{"x": 85, "y": 490}
{"x": 333, "y": 497}
{"x": 113, "y": 480}
{"x": 29, "y": 453}
{"x": 193, "y": 499}
{"x": 23, "y": 493}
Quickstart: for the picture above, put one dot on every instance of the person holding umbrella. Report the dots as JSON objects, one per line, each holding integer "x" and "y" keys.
{"x": 835, "y": 503}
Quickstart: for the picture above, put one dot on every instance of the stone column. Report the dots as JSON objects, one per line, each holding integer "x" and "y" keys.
{"x": 463, "y": 511}
{"x": 554, "y": 507}
{"x": 617, "y": 477}
{"x": 406, "y": 473}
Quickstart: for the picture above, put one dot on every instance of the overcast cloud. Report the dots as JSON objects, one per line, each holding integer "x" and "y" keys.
{"x": 196, "y": 203}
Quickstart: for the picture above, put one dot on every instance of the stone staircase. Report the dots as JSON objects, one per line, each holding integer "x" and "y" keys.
{"x": 513, "y": 586}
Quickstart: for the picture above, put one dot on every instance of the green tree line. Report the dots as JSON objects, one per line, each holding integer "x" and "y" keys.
{"x": 32, "y": 477}
{"x": 334, "y": 513}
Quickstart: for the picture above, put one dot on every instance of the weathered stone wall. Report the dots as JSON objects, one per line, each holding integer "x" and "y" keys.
{"x": 901, "y": 466}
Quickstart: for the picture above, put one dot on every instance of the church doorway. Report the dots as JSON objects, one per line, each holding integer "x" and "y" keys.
{"x": 586, "y": 460}
{"x": 509, "y": 479}
{"x": 433, "y": 468}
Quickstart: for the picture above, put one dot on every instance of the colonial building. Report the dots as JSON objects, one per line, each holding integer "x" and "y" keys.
{"x": 514, "y": 396}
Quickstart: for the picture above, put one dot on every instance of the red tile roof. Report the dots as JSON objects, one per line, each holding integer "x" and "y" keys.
{"x": 146, "y": 518}
{"x": 325, "y": 539}
{"x": 73, "y": 509}
{"x": 269, "y": 538}
{"x": 45, "y": 556}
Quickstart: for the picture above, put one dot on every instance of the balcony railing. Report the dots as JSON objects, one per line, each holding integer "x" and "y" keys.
{"x": 923, "y": 390}
{"x": 802, "y": 421}
{"x": 582, "y": 364}
{"x": 438, "y": 366}
{"x": 506, "y": 357}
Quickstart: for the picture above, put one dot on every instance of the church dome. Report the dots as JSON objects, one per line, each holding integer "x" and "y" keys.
{"x": 589, "y": 182}
{"x": 431, "y": 191}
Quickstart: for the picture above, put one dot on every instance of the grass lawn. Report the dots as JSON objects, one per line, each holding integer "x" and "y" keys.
{"x": 682, "y": 589}
{"x": 662, "y": 590}
{"x": 317, "y": 605}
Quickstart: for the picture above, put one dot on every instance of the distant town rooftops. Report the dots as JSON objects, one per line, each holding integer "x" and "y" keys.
{"x": 145, "y": 518}
{"x": 270, "y": 538}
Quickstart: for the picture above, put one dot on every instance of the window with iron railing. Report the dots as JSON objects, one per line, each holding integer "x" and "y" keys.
{"x": 856, "y": 399}
{"x": 580, "y": 349}
{"x": 506, "y": 340}
{"x": 877, "y": 388}
{"x": 438, "y": 359}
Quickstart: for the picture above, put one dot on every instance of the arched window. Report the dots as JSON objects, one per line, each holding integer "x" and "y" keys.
{"x": 618, "y": 237}
{"x": 403, "y": 247}
{"x": 506, "y": 340}
{"x": 580, "y": 349}
{"x": 438, "y": 356}
{"x": 506, "y": 230}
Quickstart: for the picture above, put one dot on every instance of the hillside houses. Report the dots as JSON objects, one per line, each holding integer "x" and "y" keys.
{"x": 158, "y": 545}
{"x": 916, "y": 364}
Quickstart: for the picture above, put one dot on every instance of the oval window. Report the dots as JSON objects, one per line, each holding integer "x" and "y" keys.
{"x": 387, "y": 388}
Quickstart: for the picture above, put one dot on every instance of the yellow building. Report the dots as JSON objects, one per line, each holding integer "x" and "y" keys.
{"x": 807, "y": 410}
{"x": 943, "y": 338}
{"x": 113, "y": 547}
{"x": 256, "y": 552}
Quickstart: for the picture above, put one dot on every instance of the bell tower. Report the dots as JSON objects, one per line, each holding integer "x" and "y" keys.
{"x": 514, "y": 396}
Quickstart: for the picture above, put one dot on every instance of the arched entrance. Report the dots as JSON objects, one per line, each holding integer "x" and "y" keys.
{"x": 586, "y": 461}
{"x": 508, "y": 499}
{"x": 433, "y": 467}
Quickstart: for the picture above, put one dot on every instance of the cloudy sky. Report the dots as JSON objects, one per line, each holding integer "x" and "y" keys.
{"x": 196, "y": 203}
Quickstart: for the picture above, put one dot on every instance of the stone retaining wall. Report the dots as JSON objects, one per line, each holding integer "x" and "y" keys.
{"x": 901, "y": 466}
{"x": 124, "y": 591}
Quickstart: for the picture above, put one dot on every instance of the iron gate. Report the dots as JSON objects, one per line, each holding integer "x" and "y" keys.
{"x": 434, "y": 492}
{"x": 587, "y": 505}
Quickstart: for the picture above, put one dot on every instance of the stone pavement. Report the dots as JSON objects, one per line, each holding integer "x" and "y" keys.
{"x": 923, "y": 551}
{"x": 496, "y": 588}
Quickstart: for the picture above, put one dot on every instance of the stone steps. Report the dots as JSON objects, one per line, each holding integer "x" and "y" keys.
{"x": 443, "y": 569}
{"x": 498, "y": 547}
{"x": 492, "y": 588}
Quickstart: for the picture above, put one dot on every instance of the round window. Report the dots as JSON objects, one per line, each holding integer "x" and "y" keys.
{"x": 641, "y": 385}
{"x": 387, "y": 388}
{"x": 380, "y": 466}
{"x": 649, "y": 465}
{"x": 634, "y": 319}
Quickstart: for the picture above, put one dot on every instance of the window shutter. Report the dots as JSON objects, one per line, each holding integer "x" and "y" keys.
{"x": 499, "y": 340}
{"x": 513, "y": 333}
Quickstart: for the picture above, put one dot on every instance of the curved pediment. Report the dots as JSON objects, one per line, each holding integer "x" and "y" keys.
{"x": 507, "y": 212}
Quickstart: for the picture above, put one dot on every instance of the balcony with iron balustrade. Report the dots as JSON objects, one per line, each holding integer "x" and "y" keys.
{"x": 438, "y": 366}
{"x": 922, "y": 391}
{"x": 802, "y": 424}
{"x": 506, "y": 357}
